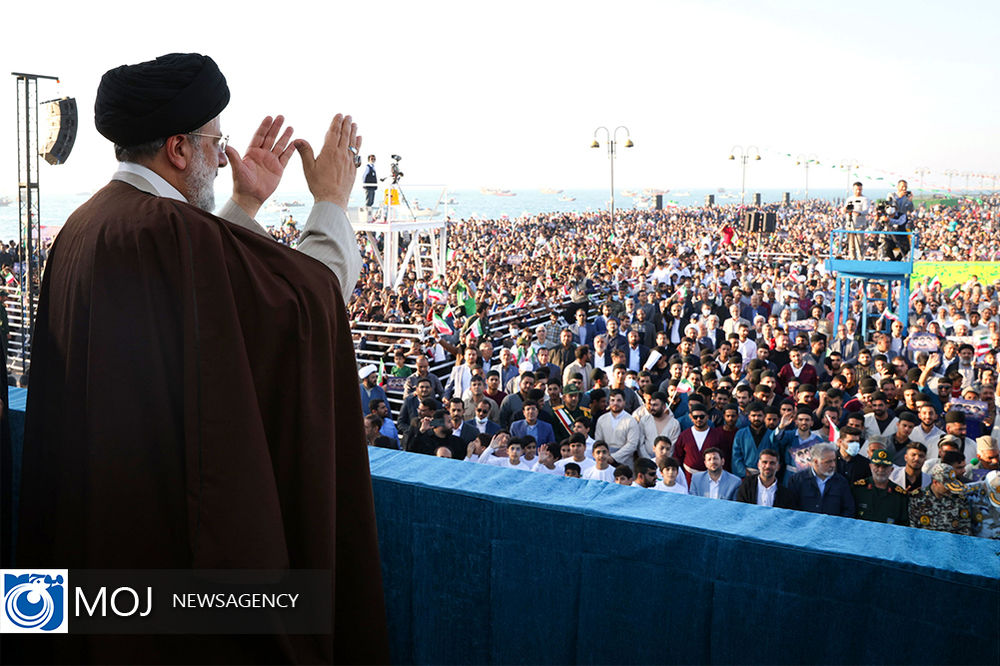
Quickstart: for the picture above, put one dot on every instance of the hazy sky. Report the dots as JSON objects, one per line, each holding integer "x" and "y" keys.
{"x": 509, "y": 94}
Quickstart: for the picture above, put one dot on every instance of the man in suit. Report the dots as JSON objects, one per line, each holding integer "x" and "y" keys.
{"x": 820, "y": 489}
{"x": 763, "y": 489}
{"x": 714, "y": 482}
{"x": 583, "y": 332}
{"x": 531, "y": 425}
{"x": 371, "y": 182}
{"x": 456, "y": 419}
{"x": 636, "y": 354}
{"x": 481, "y": 419}
{"x": 614, "y": 337}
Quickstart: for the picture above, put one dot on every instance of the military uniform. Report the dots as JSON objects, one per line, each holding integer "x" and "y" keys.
{"x": 984, "y": 502}
{"x": 889, "y": 505}
{"x": 949, "y": 513}
{"x": 564, "y": 420}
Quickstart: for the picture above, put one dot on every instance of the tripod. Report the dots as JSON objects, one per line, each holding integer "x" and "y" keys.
{"x": 393, "y": 195}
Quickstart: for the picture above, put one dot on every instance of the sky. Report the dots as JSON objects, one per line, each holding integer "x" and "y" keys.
{"x": 509, "y": 94}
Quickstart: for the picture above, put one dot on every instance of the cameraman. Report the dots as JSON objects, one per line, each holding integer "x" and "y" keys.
{"x": 856, "y": 209}
{"x": 901, "y": 212}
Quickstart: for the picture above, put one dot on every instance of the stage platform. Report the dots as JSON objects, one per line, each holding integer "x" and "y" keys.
{"x": 485, "y": 565}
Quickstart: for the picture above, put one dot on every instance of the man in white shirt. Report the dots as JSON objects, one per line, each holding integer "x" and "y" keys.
{"x": 658, "y": 421}
{"x": 618, "y": 429}
{"x": 856, "y": 208}
{"x": 578, "y": 454}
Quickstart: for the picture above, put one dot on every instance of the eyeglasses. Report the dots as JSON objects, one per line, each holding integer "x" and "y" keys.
{"x": 697, "y": 416}
{"x": 482, "y": 411}
{"x": 223, "y": 140}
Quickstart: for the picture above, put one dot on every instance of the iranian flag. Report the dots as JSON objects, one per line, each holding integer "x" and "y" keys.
{"x": 685, "y": 386}
{"x": 890, "y": 315}
{"x": 982, "y": 344}
{"x": 11, "y": 280}
{"x": 441, "y": 326}
{"x": 916, "y": 295}
{"x": 935, "y": 283}
{"x": 834, "y": 431}
{"x": 436, "y": 294}
{"x": 476, "y": 329}
{"x": 380, "y": 378}
{"x": 519, "y": 300}
{"x": 954, "y": 292}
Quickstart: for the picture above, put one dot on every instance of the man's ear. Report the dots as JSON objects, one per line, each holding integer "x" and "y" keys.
{"x": 178, "y": 151}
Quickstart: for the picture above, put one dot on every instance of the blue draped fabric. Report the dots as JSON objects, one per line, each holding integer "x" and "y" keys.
{"x": 488, "y": 565}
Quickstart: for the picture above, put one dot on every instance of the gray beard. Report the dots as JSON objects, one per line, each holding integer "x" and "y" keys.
{"x": 201, "y": 185}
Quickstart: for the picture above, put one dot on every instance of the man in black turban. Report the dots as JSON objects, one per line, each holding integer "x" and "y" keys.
{"x": 192, "y": 381}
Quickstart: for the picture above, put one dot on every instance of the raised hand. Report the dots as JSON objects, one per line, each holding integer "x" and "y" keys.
{"x": 256, "y": 175}
{"x": 331, "y": 174}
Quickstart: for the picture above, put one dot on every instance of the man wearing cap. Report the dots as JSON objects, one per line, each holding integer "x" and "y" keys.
{"x": 877, "y": 498}
{"x": 954, "y": 425}
{"x": 569, "y": 411}
{"x": 941, "y": 506}
{"x": 188, "y": 373}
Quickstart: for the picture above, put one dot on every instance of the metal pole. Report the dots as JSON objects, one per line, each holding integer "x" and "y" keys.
{"x": 611, "y": 156}
{"x": 743, "y": 182}
{"x": 807, "y": 181}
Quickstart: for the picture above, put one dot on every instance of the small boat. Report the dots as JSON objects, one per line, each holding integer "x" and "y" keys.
{"x": 497, "y": 192}
{"x": 6, "y": 201}
{"x": 289, "y": 204}
{"x": 629, "y": 193}
{"x": 549, "y": 190}
{"x": 652, "y": 191}
{"x": 567, "y": 198}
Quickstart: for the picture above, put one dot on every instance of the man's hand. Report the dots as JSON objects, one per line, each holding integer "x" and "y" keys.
{"x": 332, "y": 173}
{"x": 256, "y": 175}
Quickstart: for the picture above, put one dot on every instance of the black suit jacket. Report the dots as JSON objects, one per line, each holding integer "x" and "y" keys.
{"x": 747, "y": 493}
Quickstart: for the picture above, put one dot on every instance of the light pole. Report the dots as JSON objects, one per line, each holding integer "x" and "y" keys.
{"x": 744, "y": 156}
{"x": 967, "y": 175}
{"x": 848, "y": 166}
{"x": 950, "y": 173}
{"x": 921, "y": 171}
{"x": 804, "y": 161}
{"x": 612, "y": 139}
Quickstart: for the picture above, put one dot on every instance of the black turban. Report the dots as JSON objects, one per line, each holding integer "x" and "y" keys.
{"x": 174, "y": 94}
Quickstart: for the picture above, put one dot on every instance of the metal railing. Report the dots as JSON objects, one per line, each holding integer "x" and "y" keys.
{"x": 842, "y": 249}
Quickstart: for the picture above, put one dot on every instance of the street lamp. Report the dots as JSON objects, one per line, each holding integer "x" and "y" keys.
{"x": 612, "y": 139}
{"x": 848, "y": 165}
{"x": 804, "y": 161}
{"x": 950, "y": 173}
{"x": 921, "y": 171}
{"x": 967, "y": 175}
{"x": 744, "y": 156}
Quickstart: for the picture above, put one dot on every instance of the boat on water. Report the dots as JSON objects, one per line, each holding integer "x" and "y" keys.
{"x": 629, "y": 193}
{"x": 497, "y": 192}
{"x": 289, "y": 204}
{"x": 721, "y": 190}
{"x": 549, "y": 190}
{"x": 567, "y": 198}
{"x": 652, "y": 191}
{"x": 6, "y": 201}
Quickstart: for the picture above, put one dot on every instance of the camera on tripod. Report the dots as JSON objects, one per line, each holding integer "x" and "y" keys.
{"x": 394, "y": 169}
{"x": 885, "y": 209}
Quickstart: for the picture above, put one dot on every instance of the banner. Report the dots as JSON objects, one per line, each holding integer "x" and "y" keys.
{"x": 954, "y": 272}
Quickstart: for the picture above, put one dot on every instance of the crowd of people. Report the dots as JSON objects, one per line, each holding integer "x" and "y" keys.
{"x": 676, "y": 353}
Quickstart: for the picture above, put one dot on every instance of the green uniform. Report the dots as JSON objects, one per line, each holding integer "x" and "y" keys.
{"x": 879, "y": 505}
{"x": 564, "y": 418}
{"x": 949, "y": 513}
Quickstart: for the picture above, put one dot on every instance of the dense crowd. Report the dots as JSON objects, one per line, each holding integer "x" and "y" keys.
{"x": 683, "y": 355}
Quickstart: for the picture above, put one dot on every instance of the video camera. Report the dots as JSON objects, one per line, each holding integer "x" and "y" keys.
{"x": 394, "y": 169}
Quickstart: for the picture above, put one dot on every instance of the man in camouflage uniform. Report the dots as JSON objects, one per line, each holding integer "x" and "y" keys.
{"x": 984, "y": 501}
{"x": 877, "y": 498}
{"x": 941, "y": 506}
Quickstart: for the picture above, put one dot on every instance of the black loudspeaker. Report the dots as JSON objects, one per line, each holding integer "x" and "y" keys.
{"x": 756, "y": 199}
{"x": 770, "y": 222}
{"x": 786, "y": 199}
{"x": 752, "y": 221}
{"x": 659, "y": 202}
{"x": 709, "y": 199}
{"x": 62, "y": 129}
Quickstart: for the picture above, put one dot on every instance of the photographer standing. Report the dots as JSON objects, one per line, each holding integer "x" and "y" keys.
{"x": 856, "y": 209}
{"x": 901, "y": 212}
{"x": 371, "y": 182}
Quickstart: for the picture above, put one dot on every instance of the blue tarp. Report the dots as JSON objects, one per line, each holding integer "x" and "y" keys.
{"x": 488, "y": 565}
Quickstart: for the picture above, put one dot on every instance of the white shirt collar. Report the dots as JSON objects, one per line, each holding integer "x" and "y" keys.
{"x": 162, "y": 187}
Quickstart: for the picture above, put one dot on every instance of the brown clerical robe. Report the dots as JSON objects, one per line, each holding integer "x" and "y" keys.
{"x": 194, "y": 404}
